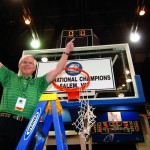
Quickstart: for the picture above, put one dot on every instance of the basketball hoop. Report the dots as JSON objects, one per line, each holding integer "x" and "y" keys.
{"x": 73, "y": 93}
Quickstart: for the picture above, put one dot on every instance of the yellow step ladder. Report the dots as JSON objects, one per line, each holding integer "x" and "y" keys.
{"x": 48, "y": 111}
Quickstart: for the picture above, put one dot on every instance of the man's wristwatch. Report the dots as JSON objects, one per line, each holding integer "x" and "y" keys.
{"x": 66, "y": 53}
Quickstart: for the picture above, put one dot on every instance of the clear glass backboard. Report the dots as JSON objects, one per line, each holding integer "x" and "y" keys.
{"x": 109, "y": 66}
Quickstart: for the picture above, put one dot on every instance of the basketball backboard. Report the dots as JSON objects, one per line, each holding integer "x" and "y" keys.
{"x": 110, "y": 68}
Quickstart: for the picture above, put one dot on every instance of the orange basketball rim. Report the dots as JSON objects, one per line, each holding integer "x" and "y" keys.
{"x": 73, "y": 93}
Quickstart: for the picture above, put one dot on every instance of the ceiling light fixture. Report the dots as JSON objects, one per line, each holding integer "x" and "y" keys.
{"x": 44, "y": 59}
{"x": 142, "y": 11}
{"x": 35, "y": 43}
{"x": 27, "y": 19}
{"x": 141, "y": 8}
{"x": 134, "y": 35}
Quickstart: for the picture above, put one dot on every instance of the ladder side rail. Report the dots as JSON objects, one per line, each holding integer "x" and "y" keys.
{"x": 58, "y": 134}
{"x": 45, "y": 130}
{"x": 31, "y": 127}
{"x": 63, "y": 132}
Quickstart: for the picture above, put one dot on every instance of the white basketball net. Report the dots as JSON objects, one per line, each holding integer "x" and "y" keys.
{"x": 85, "y": 120}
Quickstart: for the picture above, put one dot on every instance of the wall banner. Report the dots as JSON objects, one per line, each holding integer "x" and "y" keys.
{"x": 100, "y": 71}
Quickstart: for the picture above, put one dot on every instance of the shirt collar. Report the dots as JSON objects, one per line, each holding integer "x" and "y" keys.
{"x": 25, "y": 78}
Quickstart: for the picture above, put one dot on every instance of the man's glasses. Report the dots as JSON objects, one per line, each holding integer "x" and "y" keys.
{"x": 26, "y": 63}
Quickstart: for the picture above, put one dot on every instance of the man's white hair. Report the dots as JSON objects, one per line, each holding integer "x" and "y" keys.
{"x": 23, "y": 57}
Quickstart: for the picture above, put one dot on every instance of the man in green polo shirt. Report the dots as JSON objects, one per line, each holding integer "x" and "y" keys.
{"x": 21, "y": 94}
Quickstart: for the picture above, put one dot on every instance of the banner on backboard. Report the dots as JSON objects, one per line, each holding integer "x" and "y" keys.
{"x": 100, "y": 71}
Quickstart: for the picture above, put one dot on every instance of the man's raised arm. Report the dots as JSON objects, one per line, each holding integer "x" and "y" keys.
{"x": 1, "y": 64}
{"x": 61, "y": 63}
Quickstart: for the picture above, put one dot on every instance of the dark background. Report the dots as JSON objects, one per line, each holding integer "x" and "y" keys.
{"x": 110, "y": 20}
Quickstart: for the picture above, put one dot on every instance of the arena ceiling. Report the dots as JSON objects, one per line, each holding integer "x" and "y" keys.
{"x": 111, "y": 22}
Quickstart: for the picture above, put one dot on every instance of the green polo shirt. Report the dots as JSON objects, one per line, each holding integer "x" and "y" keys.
{"x": 15, "y": 86}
